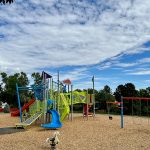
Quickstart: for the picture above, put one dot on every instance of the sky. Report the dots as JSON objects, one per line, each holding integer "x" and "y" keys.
{"x": 109, "y": 39}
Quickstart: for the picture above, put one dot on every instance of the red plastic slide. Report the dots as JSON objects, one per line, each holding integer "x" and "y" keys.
{"x": 26, "y": 106}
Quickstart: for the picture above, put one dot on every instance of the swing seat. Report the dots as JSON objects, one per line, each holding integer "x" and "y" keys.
{"x": 110, "y": 117}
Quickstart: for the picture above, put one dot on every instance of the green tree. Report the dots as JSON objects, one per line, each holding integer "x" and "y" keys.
{"x": 143, "y": 105}
{"x": 148, "y": 90}
{"x": 143, "y": 93}
{"x": 9, "y": 86}
{"x": 6, "y": 1}
{"x": 120, "y": 91}
{"x": 1, "y": 90}
{"x": 37, "y": 77}
{"x": 90, "y": 91}
{"x": 107, "y": 89}
{"x": 127, "y": 90}
{"x": 104, "y": 96}
{"x": 78, "y": 90}
{"x": 130, "y": 90}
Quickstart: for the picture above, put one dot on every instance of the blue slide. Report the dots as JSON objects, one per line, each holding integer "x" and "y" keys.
{"x": 55, "y": 123}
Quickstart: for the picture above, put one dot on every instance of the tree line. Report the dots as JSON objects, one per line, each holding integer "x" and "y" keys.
{"x": 8, "y": 87}
{"x": 8, "y": 93}
{"x": 6, "y": 1}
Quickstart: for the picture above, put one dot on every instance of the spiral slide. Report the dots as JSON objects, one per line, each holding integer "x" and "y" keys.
{"x": 55, "y": 123}
{"x": 26, "y": 106}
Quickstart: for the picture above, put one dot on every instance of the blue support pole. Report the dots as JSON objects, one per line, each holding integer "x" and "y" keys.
{"x": 122, "y": 121}
{"x": 20, "y": 109}
{"x": 58, "y": 100}
{"x": 93, "y": 101}
{"x": 35, "y": 95}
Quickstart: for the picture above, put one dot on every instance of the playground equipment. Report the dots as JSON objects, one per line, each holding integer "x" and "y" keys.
{"x": 88, "y": 105}
{"x": 50, "y": 100}
{"x": 36, "y": 108}
{"x": 55, "y": 123}
{"x": 25, "y": 107}
{"x": 86, "y": 110}
{"x": 132, "y": 99}
{"x": 110, "y": 104}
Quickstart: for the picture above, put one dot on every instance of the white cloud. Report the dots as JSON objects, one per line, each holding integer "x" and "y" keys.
{"x": 75, "y": 74}
{"x": 142, "y": 72}
{"x": 59, "y": 33}
{"x": 136, "y": 63}
{"x": 146, "y": 81}
{"x": 139, "y": 71}
{"x": 103, "y": 78}
{"x": 123, "y": 65}
{"x": 113, "y": 62}
{"x": 144, "y": 60}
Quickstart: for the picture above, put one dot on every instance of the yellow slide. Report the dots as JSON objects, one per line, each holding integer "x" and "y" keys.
{"x": 64, "y": 107}
{"x": 78, "y": 97}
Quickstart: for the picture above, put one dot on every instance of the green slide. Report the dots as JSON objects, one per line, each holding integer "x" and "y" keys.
{"x": 64, "y": 107}
{"x": 65, "y": 102}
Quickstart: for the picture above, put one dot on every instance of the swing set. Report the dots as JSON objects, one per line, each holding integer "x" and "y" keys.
{"x": 139, "y": 107}
{"x": 109, "y": 106}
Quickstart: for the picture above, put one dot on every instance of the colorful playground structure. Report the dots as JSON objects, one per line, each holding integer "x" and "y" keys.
{"x": 24, "y": 108}
{"x": 51, "y": 103}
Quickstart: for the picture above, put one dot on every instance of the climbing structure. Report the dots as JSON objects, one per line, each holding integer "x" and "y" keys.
{"x": 37, "y": 107}
{"x": 51, "y": 100}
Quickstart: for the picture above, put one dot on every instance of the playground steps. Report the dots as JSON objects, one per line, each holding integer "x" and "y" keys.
{"x": 29, "y": 121}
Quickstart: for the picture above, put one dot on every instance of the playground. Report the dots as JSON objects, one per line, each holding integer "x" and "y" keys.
{"x": 51, "y": 109}
{"x": 82, "y": 134}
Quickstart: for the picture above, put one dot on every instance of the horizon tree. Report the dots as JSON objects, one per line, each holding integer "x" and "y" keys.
{"x": 37, "y": 77}
{"x": 6, "y": 1}
{"x": 8, "y": 92}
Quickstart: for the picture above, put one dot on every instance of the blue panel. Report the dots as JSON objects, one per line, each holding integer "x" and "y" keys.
{"x": 55, "y": 120}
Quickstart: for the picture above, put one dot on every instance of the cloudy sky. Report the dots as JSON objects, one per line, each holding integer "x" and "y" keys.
{"x": 109, "y": 39}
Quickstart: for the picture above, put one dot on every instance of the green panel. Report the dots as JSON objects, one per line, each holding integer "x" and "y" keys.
{"x": 64, "y": 107}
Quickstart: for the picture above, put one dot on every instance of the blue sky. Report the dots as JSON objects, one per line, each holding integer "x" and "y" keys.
{"x": 109, "y": 39}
